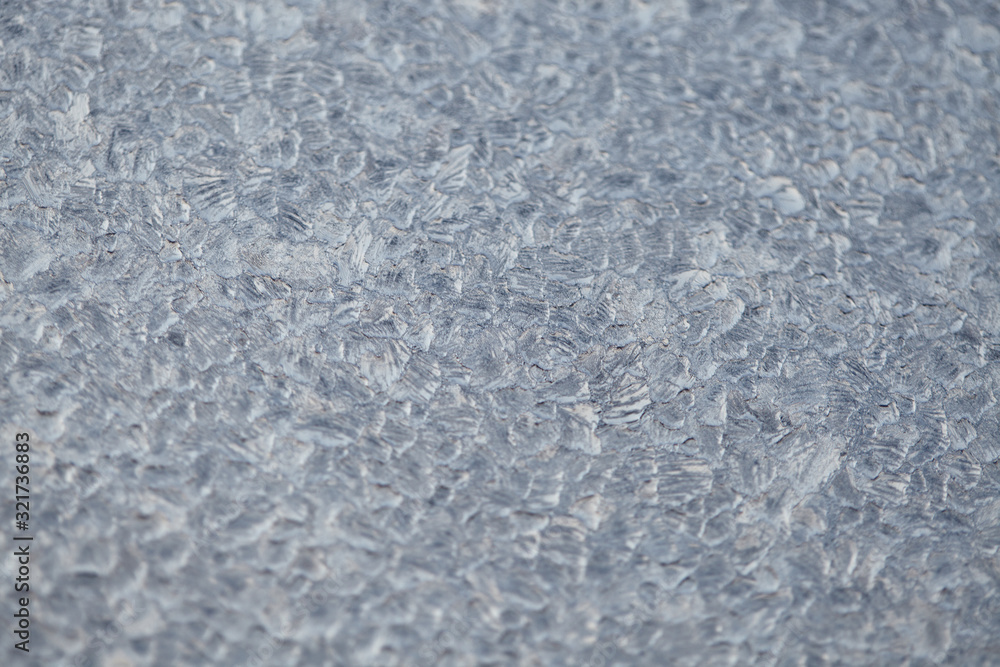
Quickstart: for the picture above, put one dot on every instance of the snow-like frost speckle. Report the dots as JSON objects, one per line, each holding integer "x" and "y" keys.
{"x": 529, "y": 333}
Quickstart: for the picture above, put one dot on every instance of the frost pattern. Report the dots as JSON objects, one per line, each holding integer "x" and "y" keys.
{"x": 535, "y": 333}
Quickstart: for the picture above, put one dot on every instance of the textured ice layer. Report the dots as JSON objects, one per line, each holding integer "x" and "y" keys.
{"x": 497, "y": 333}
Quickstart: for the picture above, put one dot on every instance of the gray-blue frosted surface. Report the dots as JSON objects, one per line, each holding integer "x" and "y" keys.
{"x": 503, "y": 333}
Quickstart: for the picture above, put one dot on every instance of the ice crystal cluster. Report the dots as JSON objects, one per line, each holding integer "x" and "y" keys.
{"x": 465, "y": 333}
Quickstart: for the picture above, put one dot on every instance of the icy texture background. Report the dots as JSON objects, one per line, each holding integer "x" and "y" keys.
{"x": 474, "y": 333}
